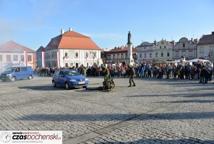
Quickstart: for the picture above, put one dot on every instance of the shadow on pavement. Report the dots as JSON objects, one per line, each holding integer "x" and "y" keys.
{"x": 188, "y": 101}
{"x": 43, "y": 88}
{"x": 118, "y": 117}
{"x": 176, "y": 95}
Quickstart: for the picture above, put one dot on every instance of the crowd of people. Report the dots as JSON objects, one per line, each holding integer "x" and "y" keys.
{"x": 184, "y": 70}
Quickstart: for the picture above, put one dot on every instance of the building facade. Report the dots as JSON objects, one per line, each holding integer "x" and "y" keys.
{"x": 118, "y": 55}
{"x": 205, "y": 48}
{"x": 148, "y": 52}
{"x": 14, "y": 54}
{"x": 72, "y": 49}
{"x": 40, "y": 57}
{"x": 185, "y": 48}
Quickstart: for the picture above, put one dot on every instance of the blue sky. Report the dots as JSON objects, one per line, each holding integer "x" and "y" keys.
{"x": 35, "y": 22}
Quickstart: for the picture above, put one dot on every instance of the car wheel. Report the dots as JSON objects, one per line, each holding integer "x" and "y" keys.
{"x": 67, "y": 86}
{"x": 13, "y": 79}
{"x": 85, "y": 87}
{"x": 30, "y": 77}
{"x": 53, "y": 84}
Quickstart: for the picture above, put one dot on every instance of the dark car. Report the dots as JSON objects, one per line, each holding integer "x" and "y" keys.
{"x": 69, "y": 79}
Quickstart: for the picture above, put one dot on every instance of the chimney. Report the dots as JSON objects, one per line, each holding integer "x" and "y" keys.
{"x": 62, "y": 31}
{"x": 70, "y": 29}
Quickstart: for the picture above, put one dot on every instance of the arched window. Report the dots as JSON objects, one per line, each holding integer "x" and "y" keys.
{"x": 168, "y": 54}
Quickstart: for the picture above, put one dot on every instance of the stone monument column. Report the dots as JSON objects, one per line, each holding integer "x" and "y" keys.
{"x": 130, "y": 54}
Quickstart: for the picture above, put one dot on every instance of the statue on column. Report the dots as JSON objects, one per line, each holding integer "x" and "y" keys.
{"x": 129, "y": 38}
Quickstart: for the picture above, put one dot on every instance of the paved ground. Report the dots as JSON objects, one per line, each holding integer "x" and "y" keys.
{"x": 152, "y": 112}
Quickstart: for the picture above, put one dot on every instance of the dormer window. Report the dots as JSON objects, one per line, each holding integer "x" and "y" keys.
{"x": 183, "y": 45}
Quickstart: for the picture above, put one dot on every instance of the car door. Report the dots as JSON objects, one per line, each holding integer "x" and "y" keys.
{"x": 23, "y": 73}
{"x": 61, "y": 78}
{"x": 17, "y": 73}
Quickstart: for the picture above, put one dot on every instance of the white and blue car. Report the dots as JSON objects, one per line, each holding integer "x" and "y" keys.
{"x": 69, "y": 79}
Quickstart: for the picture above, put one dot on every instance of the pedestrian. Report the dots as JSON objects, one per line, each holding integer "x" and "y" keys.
{"x": 131, "y": 73}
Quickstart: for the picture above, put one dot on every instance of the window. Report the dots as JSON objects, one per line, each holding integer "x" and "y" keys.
{"x": 76, "y": 54}
{"x": 160, "y": 47}
{"x": 17, "y": 69}
{"x": 164, "y": 46}
{"x": 29, "y": 58}
{"x": 183, "y": 44}
{"x": 161, "y": 54}
{"x": 1, "y": 58}
{"x": 95, "y": 54}
{"x": 8, "y": 58}
{"x": 22, "y": 58}
{"x": 15, "y": 57}
{"x": 121, "y": 55}
{"x": 156, "y": 54}
{"x": 66, "y": 54}
{"x": 86, "y": 55}
{"x": 53, "y": 55}
{"x": 23, "y": 69}
{"x": 150, "y": 55}
{"x": 144, "y": 55}
{"x": 140, "y": 55}
{"x": 66, "y": 64}
{"x": 168, "y": 54}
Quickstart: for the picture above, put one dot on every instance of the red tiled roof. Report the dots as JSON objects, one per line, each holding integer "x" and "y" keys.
{"x": 72, "y": 40}
{"x": 206, "y": 39}
{"x": 13, "y": 47}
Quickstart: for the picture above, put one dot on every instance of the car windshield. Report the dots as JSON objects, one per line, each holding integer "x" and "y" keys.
{"x": 8, "y": 70}
{"x": 71, "y": 73}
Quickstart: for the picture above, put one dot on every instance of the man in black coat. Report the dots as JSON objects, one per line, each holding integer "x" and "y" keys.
{"x": 131, "y": 73}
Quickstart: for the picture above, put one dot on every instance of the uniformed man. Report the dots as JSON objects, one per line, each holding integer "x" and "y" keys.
{"x": 131, "y": 73}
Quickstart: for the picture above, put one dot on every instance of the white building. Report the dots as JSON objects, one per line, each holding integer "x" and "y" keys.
{"x": 148, "y": 52}
{"x": 119, "y": 55}
{"x": 14, "y": 54}
{"x": 145, "y": 52}
{"x": 185, "y": 48}
{"x": 205, "y": 48}
{"x": 163, "y": 50}
{"x": 72, "y": 49}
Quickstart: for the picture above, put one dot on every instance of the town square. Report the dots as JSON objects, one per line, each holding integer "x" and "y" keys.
{"x": 106, "y": 72}
{"x": 152, "y": 112}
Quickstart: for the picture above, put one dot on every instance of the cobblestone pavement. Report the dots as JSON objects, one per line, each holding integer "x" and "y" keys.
{"x": 155, "y": 111}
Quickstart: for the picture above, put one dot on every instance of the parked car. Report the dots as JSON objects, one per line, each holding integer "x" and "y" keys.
{"x": 17, "y": 73}
{"x": 69, "y": 79}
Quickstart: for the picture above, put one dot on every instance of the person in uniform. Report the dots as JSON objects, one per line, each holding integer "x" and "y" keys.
{"x": 131, "y": 73}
